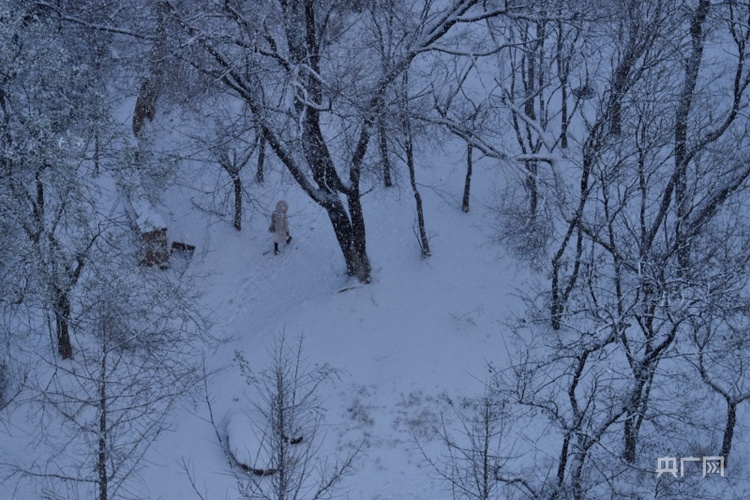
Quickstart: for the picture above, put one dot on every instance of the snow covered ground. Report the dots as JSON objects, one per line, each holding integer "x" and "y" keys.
{"x": 641, "y": 176}
{"x": 421, "y": 334}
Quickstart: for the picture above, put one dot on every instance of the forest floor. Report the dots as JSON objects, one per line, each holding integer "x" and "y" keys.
{"x": 408, "y": 347}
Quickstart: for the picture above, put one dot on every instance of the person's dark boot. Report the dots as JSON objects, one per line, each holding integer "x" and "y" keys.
{"x": 276, "y": 249}
{"x": 288, "y": 238}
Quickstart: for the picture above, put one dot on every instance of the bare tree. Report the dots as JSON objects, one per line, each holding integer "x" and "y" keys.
{"x": 474, "y": 454}
{"x": 290, "y": 61}
{"x": 424, "y": 243}
{"x": 139, "y": 339}
{"x": 721, "y": 364}
{"x": 636, "y": 240}
{"x": 719, "y": 346}
{"x": 467, "y": 182}
{"x": 45, "y": 201}
{"x": 285, "y": 461}
{"x": 389, "y": 35}
{"x": 260, "y": 171}
{"x": 233, "y": 156}
{"x": 466, "y": 116}
{"x": 151, "y": 85}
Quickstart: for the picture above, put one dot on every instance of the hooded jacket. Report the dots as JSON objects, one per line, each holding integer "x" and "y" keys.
{"x": 279, "y": 222}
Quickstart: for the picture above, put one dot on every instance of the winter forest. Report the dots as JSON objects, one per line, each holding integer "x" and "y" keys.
{"x": 509, "y": 253}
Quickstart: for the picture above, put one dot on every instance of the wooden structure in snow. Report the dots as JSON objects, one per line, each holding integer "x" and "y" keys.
{"x": 154, "y": 248}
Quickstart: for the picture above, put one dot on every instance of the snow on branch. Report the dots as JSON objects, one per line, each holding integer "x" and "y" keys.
{"x": 94, "y": 26}
{"x": 474, "y": 54}
{"x": 708, "y": 207}
{"x": 544, "y": 136}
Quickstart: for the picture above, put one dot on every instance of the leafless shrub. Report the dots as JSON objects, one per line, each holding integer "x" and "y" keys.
{"x": 472, "y": 457}
{"x": 279, "y": 454}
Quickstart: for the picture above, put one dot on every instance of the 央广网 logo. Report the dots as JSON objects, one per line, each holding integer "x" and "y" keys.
{"x": 669, "y": 465}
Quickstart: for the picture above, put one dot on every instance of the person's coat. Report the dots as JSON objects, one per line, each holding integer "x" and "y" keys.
{"x": 279, "y": 223}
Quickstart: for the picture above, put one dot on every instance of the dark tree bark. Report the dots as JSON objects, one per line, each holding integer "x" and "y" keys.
{"x": 384, "y": 156}
{"x": 563, "y": 56}
{"x": 564, "y": 115}
{"x": 260, "y": 175}
{"x": 356, "y": 264}
{"x": 359, "y": 241}
{"x": 232, "y": 163}
{"x": 145, "y": 104}
{"x": 101, "y": 464}
{"x": 424, "y": 243}
{"x": 237, "y": 182}
{"x": 62, "y": 307}
{"x": 732, "y": 396}
{"x": 467, "y": 182}
{"x": 618, "y": 89}
{"x": 561, "y": 466}
{"x": 634, "y": 419}
{"x": 533, "y": 84}
{"x": 62, "y": 323}
{"x": 61, "y": 287}
{"x": 38, "y": 208}
{"x": 529, "y": 70}
{"x": 532, "y": 170}
{"x": 726, "y": 444}
{"x": 681, "y": 155}
{"x": 96, "y": 154}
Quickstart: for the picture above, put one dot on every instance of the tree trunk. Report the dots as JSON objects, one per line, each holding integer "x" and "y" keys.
{"x": 637, "y": 413}
{"x": 564, "y": 116}
{"x": 631, "y": 439}
{"x": 681, "y": 159}
{"x": 352, "y": 243}
{"x": 726, "y": 445}
{"x": 359, "y": 240}
{"x": 38, "y": 207}
{"x": 96, "y": 154}
{"x": 563, "y": 461}
{"x": 62, "y": 324}
{"x": 102, "y": 454}
{"x": 563, "y": 68}
{"x": 467, "y": 182}
{"x": 618, "y": 90}
{"x": 423, "y": 241}
{"x": 575, "y": 480}
{"x": 145, "y": 104}
{"x": 260, "y": 174}
{"x": 556, "y": 306}
{"x": 531, "y": 175}
{"x": 237, "y": 202}
{"x": 384, "y": 157}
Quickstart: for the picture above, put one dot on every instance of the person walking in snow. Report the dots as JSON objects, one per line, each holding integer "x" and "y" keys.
{"x": 280, "y": 226}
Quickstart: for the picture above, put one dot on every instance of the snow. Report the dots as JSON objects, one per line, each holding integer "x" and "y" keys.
{"x": 408, "y": 348}
{"x": 422, "y": 332}
{"x": 245, "y": 440}
{"x": 147, "y": 219}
